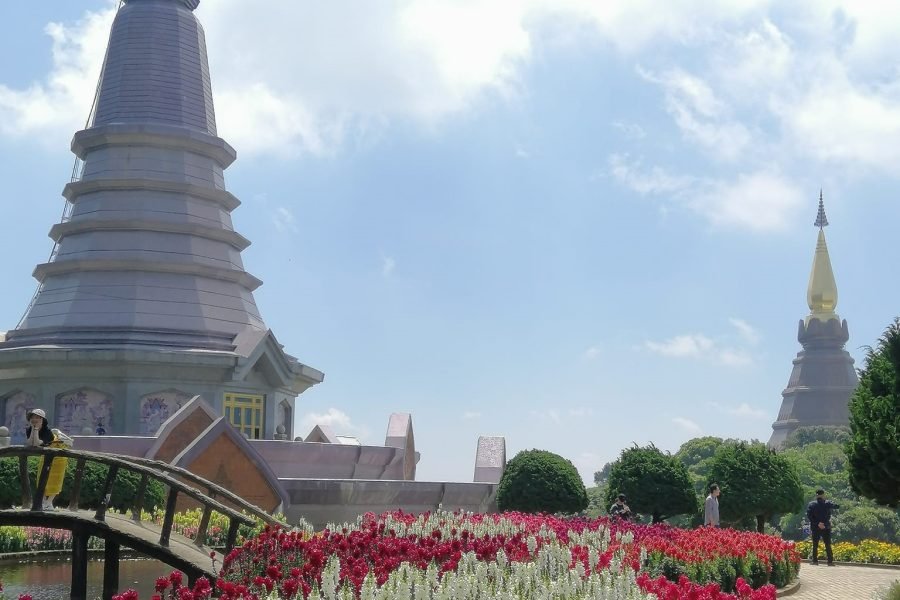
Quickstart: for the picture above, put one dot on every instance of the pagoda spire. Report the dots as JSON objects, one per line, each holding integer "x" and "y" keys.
{"x": 821, "y": 219}
{"x": 821, "y": 295}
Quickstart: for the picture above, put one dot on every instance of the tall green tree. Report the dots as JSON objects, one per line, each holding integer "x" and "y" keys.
{"x": 655, "y": 483}
{"x": 874, "y": 447}
{"x": 602, "y": 476}
{"x": 816, "y": 433}
{"x": 541, "y": 481}
{"x": 755, "y": 482}
{"x": 696, "y": 454}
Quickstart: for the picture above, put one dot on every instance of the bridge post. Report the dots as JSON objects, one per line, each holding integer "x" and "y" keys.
{"x": 79, "y": 564}
{"x": 100, "y": 515}
{"x": 75, "y": 496}
{"x": 37, "y": 502}
{"x": 110, "y": 569}
{"x": 26, "y": 481}
{"x": 168, "y": 517}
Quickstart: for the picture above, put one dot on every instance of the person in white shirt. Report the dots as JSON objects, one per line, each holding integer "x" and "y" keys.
{"x": 711, "y": 508}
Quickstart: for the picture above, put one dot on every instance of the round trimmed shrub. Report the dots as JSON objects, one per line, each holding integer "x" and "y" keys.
{"x": 860, "y": 523}
{"x": 540, "y": 481}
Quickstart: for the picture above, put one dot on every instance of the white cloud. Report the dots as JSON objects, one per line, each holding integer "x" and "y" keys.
{"x": 682, "y": 346}
{"x": 700, "y": 347}
{"x": 388, "y": 265}
{"x": 57, "y": 105}
{"x": 632, "y": 174}
{"x": 283, "y": 220}
{"x": 356, "y": 64}
{"x": 700, "y": 115}
{"x": 760, "y": 202}
{"x": 339, "y": 422}
{"x": 591, "y": 353}
{"x": 687, "y": 425}
{"x": 733, "y": 358}
{"x": 547, "y": 415}
{"x": 469, "y": 415}
{"x": 631, "y": 131}
{"x": 745, "y": 330}
{"x": 749, "y": 82}
{"x": 743, "y": 410}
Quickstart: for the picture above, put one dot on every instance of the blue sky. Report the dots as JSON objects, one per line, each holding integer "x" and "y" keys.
{"x": 575, "y": 224}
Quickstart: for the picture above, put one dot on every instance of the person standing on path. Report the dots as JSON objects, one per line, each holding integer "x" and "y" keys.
{"x": 819, "y": 514}
{"x": 711, "y": 507}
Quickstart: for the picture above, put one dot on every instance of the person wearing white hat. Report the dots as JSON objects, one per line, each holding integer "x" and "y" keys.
{"x": 38, "y": 433}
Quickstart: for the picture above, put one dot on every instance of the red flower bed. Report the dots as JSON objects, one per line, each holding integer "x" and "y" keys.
{"x": 292, "y": 564}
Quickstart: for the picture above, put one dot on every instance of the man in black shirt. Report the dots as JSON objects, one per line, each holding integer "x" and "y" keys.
{"x": 620, "y": 509}
{"x": 819, "y": 514}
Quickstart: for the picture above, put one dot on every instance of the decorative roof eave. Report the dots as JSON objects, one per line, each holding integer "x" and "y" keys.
{"x": 223, "y": 198}
{"x": 253, "y": 346}
{"x": 59, "y": 267}
{"x": 221, "y": 427}
{"x": 322, "y": 434}
{"x": 157, "y": 135}
{"x": 232, "y": 238}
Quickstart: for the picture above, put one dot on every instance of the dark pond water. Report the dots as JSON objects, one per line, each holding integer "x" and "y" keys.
{"x": 49, "y": 578}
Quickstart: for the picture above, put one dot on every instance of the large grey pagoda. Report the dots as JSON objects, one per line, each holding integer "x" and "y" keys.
{"x": 823, "y": 377}
{"x": 145, "y": 301}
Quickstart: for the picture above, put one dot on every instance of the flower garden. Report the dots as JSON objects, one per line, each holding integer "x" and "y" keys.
{"x": 511, "y": 555}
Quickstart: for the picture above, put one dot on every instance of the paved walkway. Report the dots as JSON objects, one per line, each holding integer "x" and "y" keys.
{"x": 842, "y": 583}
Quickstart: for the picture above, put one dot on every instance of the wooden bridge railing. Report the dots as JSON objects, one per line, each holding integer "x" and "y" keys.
{"x": 148, "y": 473}
{"x": 211, "y": 489}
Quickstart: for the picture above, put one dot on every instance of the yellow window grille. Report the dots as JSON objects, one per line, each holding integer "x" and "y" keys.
{"x": 245, "y": 413}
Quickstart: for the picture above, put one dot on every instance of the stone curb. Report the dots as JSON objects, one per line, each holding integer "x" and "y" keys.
{"x": 788, "y": 590}
{"x": 808, "y": 563}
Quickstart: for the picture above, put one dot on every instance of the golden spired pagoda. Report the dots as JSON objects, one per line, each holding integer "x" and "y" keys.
{"x": 823, "y": 377}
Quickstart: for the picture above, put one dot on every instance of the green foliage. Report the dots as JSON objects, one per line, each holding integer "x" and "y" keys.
{"x": 875, "y": 422}
{"x": 655, "y": 483}
{"x": 12, "y": 539}
{"x": 124, "y": 488}
{"x": 867, "y": 523}
{"x": 816, "y": 433}
{"x": 892, "y": 592}
{"x": 822, "y": 465}
{"x": 540, "y": 481}
{"x": 696, "y": 454}
{"x": 596, "y": 501}
{"x": 725, "y": 570}
{"x": 10, "y": 484}
{"x": 697, "y": 450}
{"x": 602, "y": 476}
{"x": 755, "y": 482}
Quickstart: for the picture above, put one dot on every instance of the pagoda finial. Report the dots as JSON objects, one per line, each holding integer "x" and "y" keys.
{"x": 821, "y": 219}
{"x": 821, "y": 295}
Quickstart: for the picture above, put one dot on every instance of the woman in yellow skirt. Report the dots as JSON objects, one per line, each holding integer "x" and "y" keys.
{"x": 40, "y": 434}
